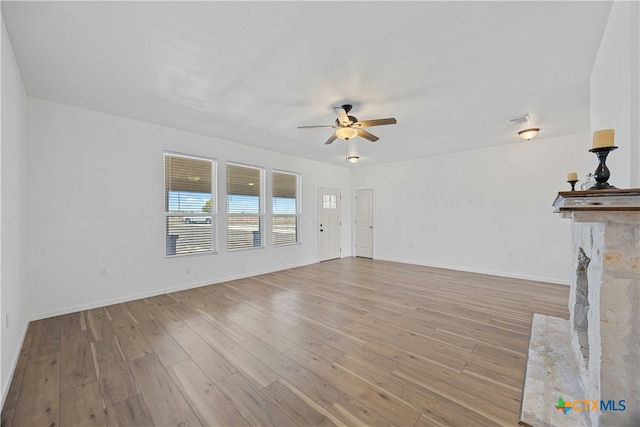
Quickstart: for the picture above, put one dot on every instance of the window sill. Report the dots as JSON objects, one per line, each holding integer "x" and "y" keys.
{"x": 284, "y": 245}
{"x": 191, "y": 254}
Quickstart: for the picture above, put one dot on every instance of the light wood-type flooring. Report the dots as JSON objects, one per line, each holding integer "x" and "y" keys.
{"x": 345, "y": 342}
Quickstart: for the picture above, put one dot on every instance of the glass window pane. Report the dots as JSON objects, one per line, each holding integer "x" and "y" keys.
{"x": 284, "y": 207}
{"x": 243, "y": 232}
{"x": 244, "y": 206}
{"x": 189, "y": 182}
{"x": 185, "y": 202}
{"x": 284, "y": 229}
{"x": 240, "y": 204}
{"x": 189, "y": 235}
{"x": 329, "y": 201}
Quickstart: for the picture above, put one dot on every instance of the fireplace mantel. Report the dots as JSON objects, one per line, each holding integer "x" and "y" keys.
{"x": 617, "y": 200}
{"x": 594, "y": 356}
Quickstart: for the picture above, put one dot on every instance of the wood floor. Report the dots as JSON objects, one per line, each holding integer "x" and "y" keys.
{"x": 345, "y": 342}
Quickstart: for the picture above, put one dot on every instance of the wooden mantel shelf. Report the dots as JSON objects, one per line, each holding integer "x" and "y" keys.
{"x": 627, "y": 200}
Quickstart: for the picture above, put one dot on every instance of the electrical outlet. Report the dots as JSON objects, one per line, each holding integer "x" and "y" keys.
{"x": 188, "y": 271}
{"x": 103, "y": 271}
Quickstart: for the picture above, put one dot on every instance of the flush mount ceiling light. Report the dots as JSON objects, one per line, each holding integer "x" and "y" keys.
{"x": 346, "y": 133}
{"x": 353, "y": 159}
{"x": 528, "y": 134}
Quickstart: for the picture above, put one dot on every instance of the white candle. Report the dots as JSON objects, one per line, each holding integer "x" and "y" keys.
{"x": 573, "y": 176}
{"x": 603, "y": 138}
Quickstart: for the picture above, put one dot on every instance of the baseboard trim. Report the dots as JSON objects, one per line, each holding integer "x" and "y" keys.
{"x": 96, "y": 304}
{"x": 552, "y": 280}
{"x": 16, "y": 358}
{"x": 235, "y": 277}
{"x": 168, "y": 290}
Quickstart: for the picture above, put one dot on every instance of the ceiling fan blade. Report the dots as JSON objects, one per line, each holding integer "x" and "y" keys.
{"x": 331, "y": 139}
{"x": 366, "y": 135}
{"x": 343, "y": 117}
{"x": 377, "y": 122}
{"x": 319, "y": 126}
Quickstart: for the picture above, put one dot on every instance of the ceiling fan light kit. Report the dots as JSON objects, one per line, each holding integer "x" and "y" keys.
{"x": 346, "y": 133}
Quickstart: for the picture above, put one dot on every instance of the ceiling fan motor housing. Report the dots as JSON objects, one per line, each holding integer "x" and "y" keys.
{"x": 352, "y": 119}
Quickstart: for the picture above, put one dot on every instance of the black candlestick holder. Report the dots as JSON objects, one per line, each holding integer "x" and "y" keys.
{"x": 573, "y": 184}
{"x": 602, "y": 174}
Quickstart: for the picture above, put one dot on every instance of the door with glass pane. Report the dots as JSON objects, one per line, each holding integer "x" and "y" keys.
{"x": 329, "y": 224}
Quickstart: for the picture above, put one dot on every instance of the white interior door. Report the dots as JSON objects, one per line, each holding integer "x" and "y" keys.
{"x": 364, "y": 223}
{"x": 329, "y": 225}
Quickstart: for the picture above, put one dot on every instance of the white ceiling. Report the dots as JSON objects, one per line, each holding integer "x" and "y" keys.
{"x": 452, "y": 73}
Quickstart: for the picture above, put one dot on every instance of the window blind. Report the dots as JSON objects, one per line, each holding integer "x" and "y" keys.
{"x": 190, "y": 204}
{"x": 284, "y": 208}
{"x": 244, "y": 206}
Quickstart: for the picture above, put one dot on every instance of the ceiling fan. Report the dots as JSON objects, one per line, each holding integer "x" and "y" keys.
{"x": 348, "y": 127}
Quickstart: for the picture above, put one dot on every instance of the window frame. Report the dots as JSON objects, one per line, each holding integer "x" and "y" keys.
{"x": 214, "y": 205}
{"x": 298, "y": 212}
{"x": 261, "y": 207}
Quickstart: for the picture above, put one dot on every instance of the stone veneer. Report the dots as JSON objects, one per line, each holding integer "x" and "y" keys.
{"x": 612, "y": 370}
{"x": 596, "y": 357}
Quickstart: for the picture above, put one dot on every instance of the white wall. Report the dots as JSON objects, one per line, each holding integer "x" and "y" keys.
{"x": 14, "y": 301}
{"x": 615, "y": 92}
{"x": 487, "y": 211}
{"x": 96, "y": 199}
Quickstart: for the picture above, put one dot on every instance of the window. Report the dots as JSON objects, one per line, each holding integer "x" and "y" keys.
{"x": 329, "y": 201}
{"x": 190, "y": 204}
{"x": 244, "y": 206}
{"x": 285, "y": 208}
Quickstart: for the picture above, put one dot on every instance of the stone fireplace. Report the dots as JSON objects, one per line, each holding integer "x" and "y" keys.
{"x": 585, "y": 371}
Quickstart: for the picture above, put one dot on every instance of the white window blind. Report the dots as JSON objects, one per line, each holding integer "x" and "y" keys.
{"x": 190, "y": 204}
{"x": 285, "y": 208}
{"x": 244, "y": 206}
